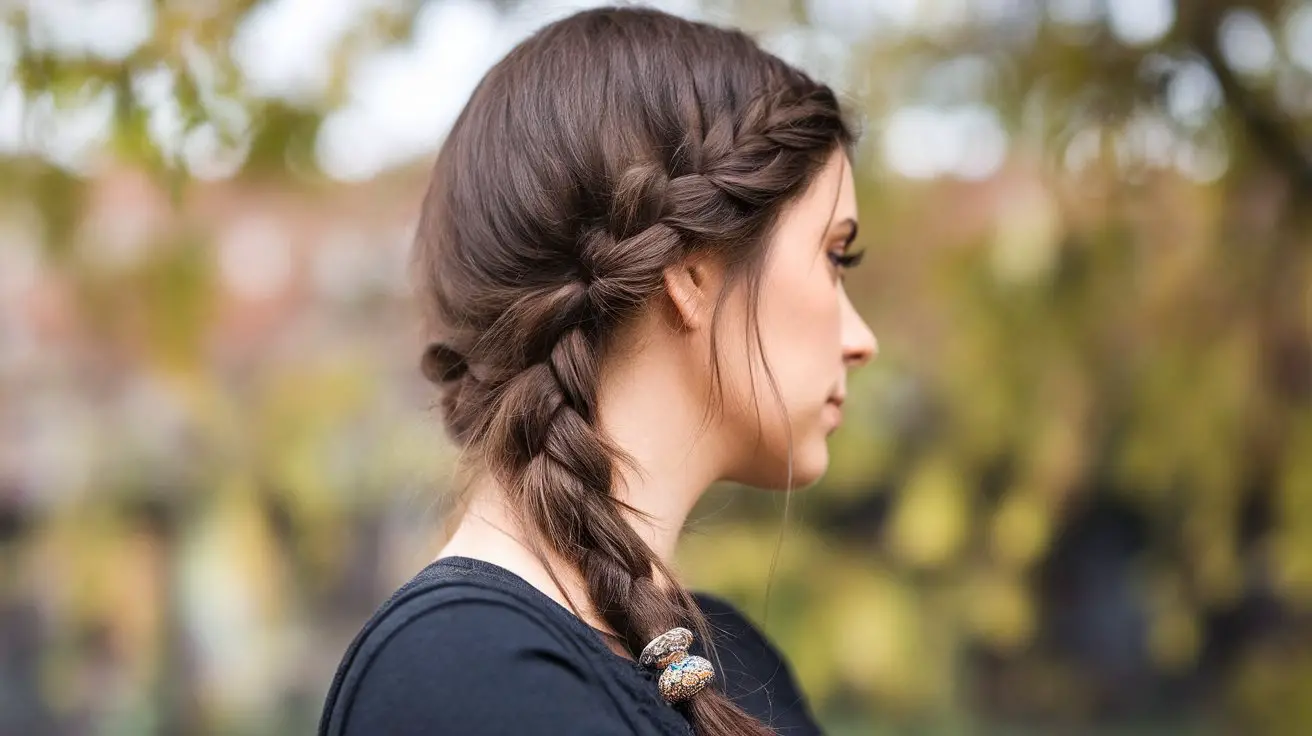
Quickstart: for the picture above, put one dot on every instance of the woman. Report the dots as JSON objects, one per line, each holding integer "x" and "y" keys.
{"x": 631, "y": 253}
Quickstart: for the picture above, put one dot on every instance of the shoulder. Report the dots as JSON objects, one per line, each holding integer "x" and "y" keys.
{"x": 465, "y": 659}
{"x": 450, "y": 630}
{"x": 729, "y": 621}
{"x": 736, "y": 635}
{"x": 754, "y": 672}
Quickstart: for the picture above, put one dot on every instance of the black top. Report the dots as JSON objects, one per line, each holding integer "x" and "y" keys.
{"x": 467, "y": 647}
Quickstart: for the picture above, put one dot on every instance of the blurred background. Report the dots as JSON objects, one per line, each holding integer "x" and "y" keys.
{"x": 1073, "y": 496}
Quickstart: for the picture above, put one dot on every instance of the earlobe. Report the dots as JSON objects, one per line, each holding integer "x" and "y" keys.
{"x": 688, "y": 285}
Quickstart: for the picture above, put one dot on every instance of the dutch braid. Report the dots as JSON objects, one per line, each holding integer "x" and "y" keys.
{"x": 524, "y": 327}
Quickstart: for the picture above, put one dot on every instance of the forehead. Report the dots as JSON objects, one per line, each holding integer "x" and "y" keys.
{"x": 832, "y": 195}
{"x": 802, "y": 232}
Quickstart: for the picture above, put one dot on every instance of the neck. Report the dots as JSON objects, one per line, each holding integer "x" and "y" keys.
{"x": 674, "y": 458}
{"x": 646, "y": 413}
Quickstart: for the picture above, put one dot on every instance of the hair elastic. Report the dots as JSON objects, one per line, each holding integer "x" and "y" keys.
{"x": 684, "y": 674}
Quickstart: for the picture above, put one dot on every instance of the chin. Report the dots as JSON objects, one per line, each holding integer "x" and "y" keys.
{"x": 809, "y": 465}
{"x": 810, "y": 461}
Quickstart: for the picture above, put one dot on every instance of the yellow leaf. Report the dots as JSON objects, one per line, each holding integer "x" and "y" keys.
{"x": 931, "y": 520}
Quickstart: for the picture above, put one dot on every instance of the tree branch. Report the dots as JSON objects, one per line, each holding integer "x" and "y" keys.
{"x": 1263, "y": 127}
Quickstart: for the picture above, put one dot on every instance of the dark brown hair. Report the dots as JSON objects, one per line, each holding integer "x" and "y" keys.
{"x": 603, "y": 149}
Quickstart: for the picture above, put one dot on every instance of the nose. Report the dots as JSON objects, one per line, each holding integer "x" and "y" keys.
{"x": 859, "y": 343}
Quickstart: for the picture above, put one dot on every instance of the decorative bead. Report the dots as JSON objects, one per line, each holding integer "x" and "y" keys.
{"x": 666, "y": 649}
{"x": 685, "y": 678}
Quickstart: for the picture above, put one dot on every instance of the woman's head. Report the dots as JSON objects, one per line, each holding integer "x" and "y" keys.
{"x": 622, "y": 172}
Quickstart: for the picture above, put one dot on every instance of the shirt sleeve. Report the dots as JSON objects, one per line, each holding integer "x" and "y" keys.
{"x": 477, "y": 668}
{"x": 755, "y": 674}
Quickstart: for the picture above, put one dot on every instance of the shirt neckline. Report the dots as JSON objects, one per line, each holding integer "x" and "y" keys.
{"x": 493, "y": 570}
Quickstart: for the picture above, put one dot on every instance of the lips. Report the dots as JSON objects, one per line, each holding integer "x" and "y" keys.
{"x": 837, "y": 403}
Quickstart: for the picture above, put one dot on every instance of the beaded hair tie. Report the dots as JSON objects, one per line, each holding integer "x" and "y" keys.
{"x": 685, "y": 675}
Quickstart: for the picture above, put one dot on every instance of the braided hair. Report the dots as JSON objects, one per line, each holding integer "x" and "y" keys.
{"x": 602, "y": 150}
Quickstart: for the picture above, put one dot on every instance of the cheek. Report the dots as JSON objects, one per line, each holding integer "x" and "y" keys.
{"x": 801, "y": 326}
{"x": 799, "y": 317}
{"x": 803, "y": 345}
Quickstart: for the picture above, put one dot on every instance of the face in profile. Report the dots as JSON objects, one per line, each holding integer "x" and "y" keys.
{"x": 811, "y": 336}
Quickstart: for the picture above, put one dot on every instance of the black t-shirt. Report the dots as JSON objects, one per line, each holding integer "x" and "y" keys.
{"x": 469, "y": 648}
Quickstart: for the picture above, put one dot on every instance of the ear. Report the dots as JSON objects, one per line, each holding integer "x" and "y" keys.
{"x": 692, "y": 286}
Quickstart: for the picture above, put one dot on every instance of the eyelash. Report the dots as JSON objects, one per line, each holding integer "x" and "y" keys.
{"x": 846, "y": 260}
